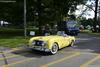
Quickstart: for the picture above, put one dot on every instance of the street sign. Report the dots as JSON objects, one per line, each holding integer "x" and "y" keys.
{"x": 32, "y": 33}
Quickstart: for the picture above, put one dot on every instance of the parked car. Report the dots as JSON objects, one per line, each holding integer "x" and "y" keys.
{"x": 51, "y": 43}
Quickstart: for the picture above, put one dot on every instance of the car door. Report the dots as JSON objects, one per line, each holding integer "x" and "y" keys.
{"x": 66, "y": 41}
{"x": 60, "y": 41}
{"x": 63, "y": 41}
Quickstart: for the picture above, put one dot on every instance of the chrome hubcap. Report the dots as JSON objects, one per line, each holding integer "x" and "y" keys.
{"x": 54, "y": 48}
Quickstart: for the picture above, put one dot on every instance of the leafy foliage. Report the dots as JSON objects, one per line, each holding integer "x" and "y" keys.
{"x": 41, "y": 11}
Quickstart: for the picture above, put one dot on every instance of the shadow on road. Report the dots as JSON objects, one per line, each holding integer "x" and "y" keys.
{"x": 30, "y": 53}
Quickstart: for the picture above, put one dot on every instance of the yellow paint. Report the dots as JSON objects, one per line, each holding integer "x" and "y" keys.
{"x": 64, "y": 52}
{"x": 4, "y": 66}
{"x": 60, "y": 60}
{"x": 91, "y": 53}
{"x": 91, "y": 61}
{"x": 19, "y": 62}
{"x": 14, "y": 49}
{"x": 13, "y": 56}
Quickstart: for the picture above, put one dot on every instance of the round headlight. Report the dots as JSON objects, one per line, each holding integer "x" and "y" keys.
{"x": 33, "y": 43}
{"x": 44, "y": 43}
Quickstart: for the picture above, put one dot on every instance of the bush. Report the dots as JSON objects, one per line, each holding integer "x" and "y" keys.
{"x": 15, "y": 32}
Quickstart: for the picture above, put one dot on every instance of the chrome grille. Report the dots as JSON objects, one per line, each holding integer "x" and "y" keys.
{"x": 38, "y": 43}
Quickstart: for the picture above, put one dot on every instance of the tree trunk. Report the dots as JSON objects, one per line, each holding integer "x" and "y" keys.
{"x": 95, "y": 16}
{"x": 39, "y": 16}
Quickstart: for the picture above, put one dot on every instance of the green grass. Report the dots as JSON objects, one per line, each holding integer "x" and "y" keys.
{"x": 14, "y": 37}
{"x": 13, "y": 42}
{"x": 90, "y": 32}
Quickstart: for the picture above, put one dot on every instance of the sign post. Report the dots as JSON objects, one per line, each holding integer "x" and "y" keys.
{"x": 25, "y": 29}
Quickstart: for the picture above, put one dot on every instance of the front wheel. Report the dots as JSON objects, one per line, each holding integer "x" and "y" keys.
{"x": 54, "y": 48}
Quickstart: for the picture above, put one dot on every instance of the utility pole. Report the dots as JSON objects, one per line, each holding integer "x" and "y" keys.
{"x": 25, "y": 29}
{"x": 39, "y": 10}
{"x": 95, "y": 15}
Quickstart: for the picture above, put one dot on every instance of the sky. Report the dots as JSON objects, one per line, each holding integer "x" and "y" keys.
{"x": 87, "y": 13}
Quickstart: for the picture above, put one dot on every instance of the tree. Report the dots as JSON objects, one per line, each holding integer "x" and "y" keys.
{"x": 94, "y": 4}
{"x": 41, "y": 11}
{"x": 96, "y": 9}
{"x": 12, "y": 12}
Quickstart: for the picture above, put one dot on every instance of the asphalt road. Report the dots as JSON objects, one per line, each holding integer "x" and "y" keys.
{"x": 85, "y": 53}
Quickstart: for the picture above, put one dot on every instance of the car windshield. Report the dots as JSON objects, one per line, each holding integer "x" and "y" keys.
{"x": 61, "y": 33}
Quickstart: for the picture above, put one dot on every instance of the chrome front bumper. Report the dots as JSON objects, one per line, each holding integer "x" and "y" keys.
{"x": 39, "y": 48}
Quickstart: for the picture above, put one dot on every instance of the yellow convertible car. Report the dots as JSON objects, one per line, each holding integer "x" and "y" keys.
{"x": 51, "y": 43}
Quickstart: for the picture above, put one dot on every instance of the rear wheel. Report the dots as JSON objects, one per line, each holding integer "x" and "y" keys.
{"x": 54, "y": 48}
{"x": 71, "y": 44}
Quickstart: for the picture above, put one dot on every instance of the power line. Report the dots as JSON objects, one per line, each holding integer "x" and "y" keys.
{"x": 8, "y": 1}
